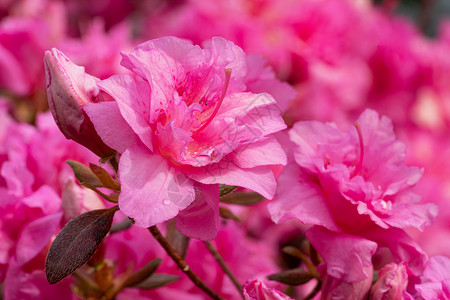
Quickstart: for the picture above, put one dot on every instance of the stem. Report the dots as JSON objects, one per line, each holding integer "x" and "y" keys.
{"x": 182, "y": 264}
{"x": 224, "y": 266}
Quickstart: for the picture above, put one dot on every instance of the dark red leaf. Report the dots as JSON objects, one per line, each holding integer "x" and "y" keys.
{"x": 76, "y": 243}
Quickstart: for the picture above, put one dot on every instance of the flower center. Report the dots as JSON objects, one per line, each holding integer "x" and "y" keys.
{"x": 218, "y": 103}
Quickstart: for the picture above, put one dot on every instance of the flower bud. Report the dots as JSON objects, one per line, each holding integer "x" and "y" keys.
{"x": 334, "y": 288}
{"x": 69, "y": 88}
{"x": 257, "y": 290}
{"x": 392, "y": 281}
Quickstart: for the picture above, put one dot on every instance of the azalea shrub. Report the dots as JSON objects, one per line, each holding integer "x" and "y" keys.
{"x": 257, "y": 150}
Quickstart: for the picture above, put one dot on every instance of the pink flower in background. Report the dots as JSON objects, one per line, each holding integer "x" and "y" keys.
{"x": 355, "y": 187}
{"x": 183, "y": 125}
{"x": 435, "y": 283}
{"x": 98, "y": 50}
{"x": 257, "y": 290}
{"x": 392, "y": 282}
{"x": 350, "y": 180}
{"x": 34, "y": 177}
{"x": 32, "y": 27}
{"x": 22, "y": 42}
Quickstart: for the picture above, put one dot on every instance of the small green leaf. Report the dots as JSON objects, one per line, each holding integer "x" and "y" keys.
{"x": 143, "y": 273}
{"x": 242, "y": 198}
{"x": 76, "y": 243}
{"x": 105, "y": 178}
{"x": 84, "y": 174}
{"x": 292, "y": 277}
{"x": 157, "y": 280}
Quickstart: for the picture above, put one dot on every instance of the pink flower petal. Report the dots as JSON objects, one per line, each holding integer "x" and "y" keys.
{"x": 111, "y": 126}
{"x": 35, "y": 236}
{"x": 268, "y": 152}
{"x": 153, "y": 191}
{"x": 200, "y": 220}
{"x": 134, "y": 105}
{"x": 344, "y": 255}
{"x": 259, "y": 179}
{"x": 296, "y": 198}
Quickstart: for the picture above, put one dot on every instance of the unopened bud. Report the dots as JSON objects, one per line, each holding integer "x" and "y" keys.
{"x": 69, "y": 88}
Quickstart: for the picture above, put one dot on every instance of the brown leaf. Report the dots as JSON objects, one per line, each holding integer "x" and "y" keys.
{"x": 143, "y": 273}
{"x": 292, "y": 277}
{"x": 84, "y": 174}
{"x": 105, "y": 178}
{"x": 157, "y": 280}
{"x": 227, "y": 214}
{"x": 76, "y": 243}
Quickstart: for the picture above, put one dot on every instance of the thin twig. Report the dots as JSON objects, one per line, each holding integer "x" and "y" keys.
{"x": 224, "y": 266}
{"x": 182, "y": 264}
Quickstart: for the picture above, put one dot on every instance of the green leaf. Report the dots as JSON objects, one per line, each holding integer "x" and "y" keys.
{"x": 76, "y": 243}
{"x": 242, "y": 198}
{"x": 143, "y": 273}
{"x": 292, "y": 277}
{"x": 84, "y": 174}
{"x": 157, "y": 280}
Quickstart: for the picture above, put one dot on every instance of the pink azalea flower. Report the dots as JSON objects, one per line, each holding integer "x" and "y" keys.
{"x": 359, "y": 173}
{"x": 183, "y": 125}
{"x": 34, "y": 178}
{"x": 356, "y": 184}
{"x": 436, "y": 279}
{"x": 257, "y": 290}
{"x": 391, "y": 284}
{"x": 22, "y": 42}
{"x": 32, "y": 28}
{"x": 97, "y": 50}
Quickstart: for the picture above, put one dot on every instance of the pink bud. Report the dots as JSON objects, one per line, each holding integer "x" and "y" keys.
{"x": 69, "y": 88}
{"x": 257, "y": 290}
{"x": 334, "y": 288}
{"x": 392, "y": 281}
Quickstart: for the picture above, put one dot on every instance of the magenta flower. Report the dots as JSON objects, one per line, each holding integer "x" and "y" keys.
{"x": 38, "y": 192}
{"x": 345, "y": 181}
{"x": 436, "y": 279}
{"x": 353, "y": 185}
{"x": 184, "y": 124}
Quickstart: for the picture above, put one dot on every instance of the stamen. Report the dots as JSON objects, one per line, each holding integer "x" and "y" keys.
{"x": 361, "y": 150}
{"x": 219, "y": 102}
